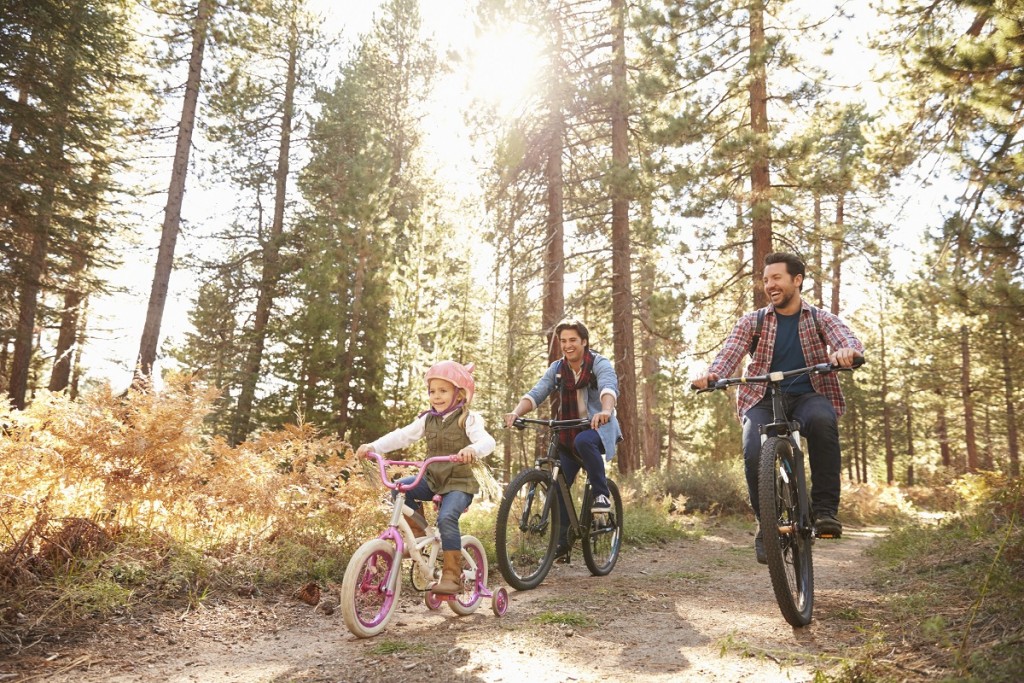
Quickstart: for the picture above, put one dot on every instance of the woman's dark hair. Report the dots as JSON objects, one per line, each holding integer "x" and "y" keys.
{"x": 573, "y": 324}
{"x": 794, "y": 266}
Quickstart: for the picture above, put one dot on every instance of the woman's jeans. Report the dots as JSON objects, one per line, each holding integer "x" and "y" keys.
{"x": 819, "y": 425}
{"x": 453, "y": 504}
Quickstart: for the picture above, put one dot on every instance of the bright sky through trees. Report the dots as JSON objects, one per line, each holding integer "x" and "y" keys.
{"x": 499, "y": 67}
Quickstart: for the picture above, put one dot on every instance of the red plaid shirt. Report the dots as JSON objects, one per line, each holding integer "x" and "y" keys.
{"x": 837, "y": 334}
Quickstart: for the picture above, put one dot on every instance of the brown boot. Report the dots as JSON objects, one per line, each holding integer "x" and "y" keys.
{"x": 451, "y": 574}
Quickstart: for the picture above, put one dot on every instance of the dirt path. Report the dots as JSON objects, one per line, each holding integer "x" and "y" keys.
{"x": 692, "y": 610}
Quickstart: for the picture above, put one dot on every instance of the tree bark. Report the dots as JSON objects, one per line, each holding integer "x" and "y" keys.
{"x": 760, "y": 181}
{"x": 819, "y": 257}
{"x": 175, "y": 195}
{"x": 942, "y": 434}
{"x": 271, "y": 253}
{"x": 553, "y": 306}
{"x": 970, "y": 440}
{"x": 1012, "y": 445}
{"x": 622, "y": 288}
{"x": 67, "y": 337}
{"x": 910, "y": 441}
{"x": 890, "y": 454}
{"x": 837, "y": 252}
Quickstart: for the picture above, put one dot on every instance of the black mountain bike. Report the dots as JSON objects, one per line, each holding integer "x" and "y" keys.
{"x": 787, "y": 521}
{"x": 527, "y": 532}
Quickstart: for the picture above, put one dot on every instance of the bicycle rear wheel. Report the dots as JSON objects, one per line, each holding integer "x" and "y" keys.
{"x": 366, "y": 604}
{"x": 786, "y": 544}
{"x": 527, "y": 529}
{"x": 602, "y": 534}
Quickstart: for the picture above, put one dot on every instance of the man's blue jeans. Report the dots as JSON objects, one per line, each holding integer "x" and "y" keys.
{"x": 820, "y": 426}
{"x": 590, "y": 449}
{"x": 453, "y": 504}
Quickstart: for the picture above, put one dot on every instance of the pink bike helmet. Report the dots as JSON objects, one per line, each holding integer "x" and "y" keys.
{"x": 456, "y": 373}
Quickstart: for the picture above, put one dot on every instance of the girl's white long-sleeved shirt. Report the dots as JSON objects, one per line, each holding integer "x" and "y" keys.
{"x": 480, "y": 440}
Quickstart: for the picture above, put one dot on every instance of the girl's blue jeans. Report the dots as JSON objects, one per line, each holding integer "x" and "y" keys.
{"x": 453, "y": 504}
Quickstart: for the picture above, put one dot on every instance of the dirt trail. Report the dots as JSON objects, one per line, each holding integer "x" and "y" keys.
{"x": 691, "y": 610}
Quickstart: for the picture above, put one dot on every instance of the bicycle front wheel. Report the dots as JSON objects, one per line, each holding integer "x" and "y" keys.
{"x": 602, "y": 534}
{"x": 366, "y": 604}
{"x": 527, "y": 529}
{"x": 786, "y": 544}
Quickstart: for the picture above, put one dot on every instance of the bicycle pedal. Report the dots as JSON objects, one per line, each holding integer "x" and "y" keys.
{"x": 829, "y": 536}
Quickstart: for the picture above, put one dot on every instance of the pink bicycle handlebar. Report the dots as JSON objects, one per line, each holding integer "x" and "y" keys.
{"x": 383, "y": 463}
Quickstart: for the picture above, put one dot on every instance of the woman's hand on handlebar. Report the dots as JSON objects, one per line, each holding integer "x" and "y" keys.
{"x": 600, "y": 419}
{"x": 510, "y": 418}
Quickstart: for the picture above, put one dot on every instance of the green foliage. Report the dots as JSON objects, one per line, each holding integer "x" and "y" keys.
{"x": 957, "y": 587}
{"x": 700, "y": 485}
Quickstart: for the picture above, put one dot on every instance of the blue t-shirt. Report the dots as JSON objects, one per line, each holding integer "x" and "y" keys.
{"x": 787, "y": 354}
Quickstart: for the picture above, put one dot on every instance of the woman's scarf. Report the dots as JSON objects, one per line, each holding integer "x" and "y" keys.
{"x": 570, "y": 408}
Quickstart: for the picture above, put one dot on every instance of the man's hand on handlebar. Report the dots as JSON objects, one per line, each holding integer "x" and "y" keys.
{"x": 600, "y": 418}
{"x": 844, "y": 357}
{"x": 702, "y": 382}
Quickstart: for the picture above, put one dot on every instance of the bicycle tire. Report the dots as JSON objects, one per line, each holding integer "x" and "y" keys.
{"x": 366, "y": 605}
{"x": 468, "y": 599}
{"x": 602, "y": 539}
{"x": 524, "y": 539}
{"x": 789, "y": 552}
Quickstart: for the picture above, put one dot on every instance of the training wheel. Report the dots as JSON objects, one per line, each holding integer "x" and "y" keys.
{"x": 499, "y": 602}
{"x": 431, "y": 600}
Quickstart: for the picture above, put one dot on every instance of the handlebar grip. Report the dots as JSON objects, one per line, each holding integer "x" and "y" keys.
{"x": 858, "y": 361}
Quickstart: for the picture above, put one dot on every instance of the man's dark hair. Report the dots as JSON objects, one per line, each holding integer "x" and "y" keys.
{"x": 573, "y": 324}
{"x": 794, "y": 266}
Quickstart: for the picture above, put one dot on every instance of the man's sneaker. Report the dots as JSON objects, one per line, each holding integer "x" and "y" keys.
{"x": 827, "y": 525}
{"x": 601, "y": 505}
{"x": 759, "y": 546}
{"x": 562, "y": 552}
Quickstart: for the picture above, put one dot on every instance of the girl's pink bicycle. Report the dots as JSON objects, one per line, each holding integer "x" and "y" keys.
{"x": 373, "y": 578}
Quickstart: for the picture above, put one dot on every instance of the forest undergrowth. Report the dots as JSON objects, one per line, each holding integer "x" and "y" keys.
{"x": 116, "y": 505}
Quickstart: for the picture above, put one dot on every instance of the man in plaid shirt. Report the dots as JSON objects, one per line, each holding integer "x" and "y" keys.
{"x": 792, "y": 336}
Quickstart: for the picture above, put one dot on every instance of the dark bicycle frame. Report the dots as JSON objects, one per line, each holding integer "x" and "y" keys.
{"x": 550, "y": 460}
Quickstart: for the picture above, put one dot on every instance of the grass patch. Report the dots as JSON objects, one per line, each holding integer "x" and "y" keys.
{"x": 696, "y": 577}
{"x": 574, "y": 619}
{"x": 392, "y": 647}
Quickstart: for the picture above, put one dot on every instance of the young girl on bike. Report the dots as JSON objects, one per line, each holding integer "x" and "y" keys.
{"x": 449, "y": 427}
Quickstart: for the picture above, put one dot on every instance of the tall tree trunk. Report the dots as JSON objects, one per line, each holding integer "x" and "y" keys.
{"x": 651, "y": 367}
{"x": 837, "y": 252}
{"x": 890, "y": 454}
{"x": 760, "y": 182}
{"x": 942, "y": 434}
{"x": 819, "y": 258}
{"x": 622, "y": 287}
{"x": 970, "y": 440}
{"x": 863, "y": 448}
{"x": 910, "y": 441}
{"x": 852, "y": 468}
{"x": 1012, "y": 446}
{"x": 553, "y": 307}
{"x": 70, "y": 316}
{"x": 348, "y": 339}
{"x": 175, "y": 195}
{"x": 271, "y": 254}
{"x": 76, "y": 366}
